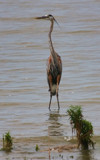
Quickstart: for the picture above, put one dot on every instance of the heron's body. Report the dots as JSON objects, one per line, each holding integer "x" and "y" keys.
{"x": 54, "y": 64}
{"x": 54, "y": 74}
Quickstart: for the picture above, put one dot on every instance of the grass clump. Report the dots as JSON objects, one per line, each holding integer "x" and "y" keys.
{"x": 36, "y": 147}
{"x": 7, "y": 142}
{"x": 83, "y": 128}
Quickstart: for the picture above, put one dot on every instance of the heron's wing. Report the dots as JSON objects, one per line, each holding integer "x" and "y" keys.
{"x": 52, "y": 68}
{"x": 59, "y": 69}
{"x": 48, "y": 64}
{"x": 59, "y": 64}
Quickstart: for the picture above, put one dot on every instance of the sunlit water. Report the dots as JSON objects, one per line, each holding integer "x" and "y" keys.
{"x": 24, "y": 49}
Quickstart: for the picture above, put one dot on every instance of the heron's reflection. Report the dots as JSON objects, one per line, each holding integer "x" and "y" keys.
{"x": 54, "y": 128}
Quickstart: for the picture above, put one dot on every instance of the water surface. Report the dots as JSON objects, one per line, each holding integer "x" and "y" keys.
{"x": 24, "y": 50}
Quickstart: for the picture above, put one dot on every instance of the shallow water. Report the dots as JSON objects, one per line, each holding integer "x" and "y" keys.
{"x": 24, "y": 95}
{"x": 24, "y": 149}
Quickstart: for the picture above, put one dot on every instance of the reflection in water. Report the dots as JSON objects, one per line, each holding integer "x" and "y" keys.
{"x": 86, "y": 155}
{"x": 54, "y": 127}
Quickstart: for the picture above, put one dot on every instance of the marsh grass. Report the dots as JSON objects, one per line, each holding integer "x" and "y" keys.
{"x": 37, "y": 147}
{"x": 83, "y": 128}
{"x": 7, "y": 142}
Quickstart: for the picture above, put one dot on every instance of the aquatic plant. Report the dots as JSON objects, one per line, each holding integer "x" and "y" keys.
{"x": 7, "y": 142}
{"x": 83, "y": 128}
{"x": 37, "y": 147}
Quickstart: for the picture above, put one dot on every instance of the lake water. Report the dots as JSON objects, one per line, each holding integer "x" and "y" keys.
{"x": 24, "y": 50}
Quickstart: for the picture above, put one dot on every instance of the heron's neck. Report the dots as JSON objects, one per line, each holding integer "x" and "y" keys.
{"x": 53, "y": 53}
{"x": 50, "y": 40}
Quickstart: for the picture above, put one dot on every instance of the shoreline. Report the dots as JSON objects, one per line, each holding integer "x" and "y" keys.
{"x": 49, "y": 147}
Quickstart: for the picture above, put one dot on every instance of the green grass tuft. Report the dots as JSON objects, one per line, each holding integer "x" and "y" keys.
{"x": 83, "y": 128}
{"x": 7, "y": 142}
{"x": 37, "y": 147}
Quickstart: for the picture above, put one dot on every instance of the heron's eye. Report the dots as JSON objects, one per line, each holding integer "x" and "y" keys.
{"x": 50, "y": 16}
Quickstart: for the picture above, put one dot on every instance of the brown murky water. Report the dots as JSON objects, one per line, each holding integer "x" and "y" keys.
{"x": 24, "y": 50}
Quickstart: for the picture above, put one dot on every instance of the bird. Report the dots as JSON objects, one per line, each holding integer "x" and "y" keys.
{"x": 54, "y": 64}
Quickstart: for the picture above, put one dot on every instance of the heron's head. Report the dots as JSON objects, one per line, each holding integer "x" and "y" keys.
{"x": 47, "y": 17}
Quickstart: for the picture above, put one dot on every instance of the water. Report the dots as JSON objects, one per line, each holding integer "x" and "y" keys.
{"x": 24, "y": 49}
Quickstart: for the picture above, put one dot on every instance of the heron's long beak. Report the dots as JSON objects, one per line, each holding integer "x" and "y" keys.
{"x": 46, "y": 17}
{"x": 43, "y": 17}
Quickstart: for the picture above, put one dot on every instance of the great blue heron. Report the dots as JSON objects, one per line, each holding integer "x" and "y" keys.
{"x": 54, "y": 64}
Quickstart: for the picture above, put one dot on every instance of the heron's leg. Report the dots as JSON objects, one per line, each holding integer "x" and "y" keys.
{"x": 58, "y": 100}
{"x": 50, "y": 100}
